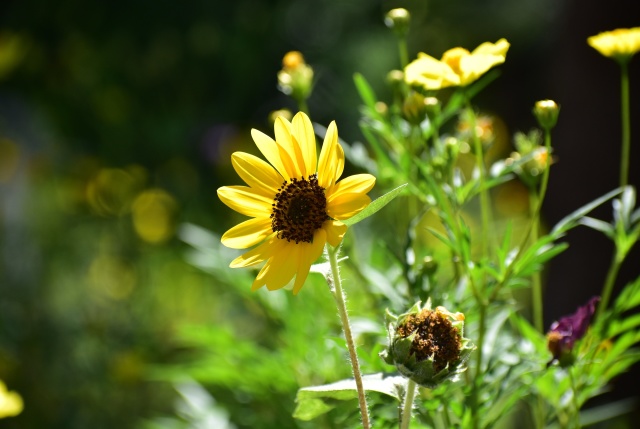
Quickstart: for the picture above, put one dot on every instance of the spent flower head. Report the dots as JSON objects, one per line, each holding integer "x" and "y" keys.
{"x": 296, "y": 202}
{"x": 427, "y": 346}
{"x": 458, "y": 66}
{"x": 620, "y": 44}
{"x": 565, "y": 332}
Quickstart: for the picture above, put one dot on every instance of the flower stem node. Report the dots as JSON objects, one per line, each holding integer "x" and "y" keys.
{"x": 427, "y": 346}
{"x": 398, "y": 20}
{"x": 546, "y": 112}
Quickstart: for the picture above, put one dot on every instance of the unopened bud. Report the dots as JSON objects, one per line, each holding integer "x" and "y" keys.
{"x": 546, "y": 112}
{"x": 296, "y": 77}
{"x": 414, "y": 109}
{"x": 398, "y": 20}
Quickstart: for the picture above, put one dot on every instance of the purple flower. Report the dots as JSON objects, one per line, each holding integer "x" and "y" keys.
{"x": 565, "y": 332}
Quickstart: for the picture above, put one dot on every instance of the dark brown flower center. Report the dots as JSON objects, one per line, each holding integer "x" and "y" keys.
{"x": 435, "y": 336}
{"x": 299, "y": 209}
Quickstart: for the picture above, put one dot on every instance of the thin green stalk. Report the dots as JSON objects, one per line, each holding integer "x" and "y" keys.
{"x": 536, "y": 215}
{"x": 485, "y": 203}
{"x": 302, "y": 105}
{"x": 536, "y": 286}
{"x": 404, "y": 52}
{"x": 609, "y": 283}
{"x": 475, "y": 392}
{"x": 626, "y": 124}
{"x": 574, "y": 400}
{"x": 407, "y": 405}
{"x": 338, "y": 294}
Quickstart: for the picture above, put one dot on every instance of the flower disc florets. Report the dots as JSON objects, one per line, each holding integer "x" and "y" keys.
{"x": 427, "y": 345}
{"x": 299, "y": 209}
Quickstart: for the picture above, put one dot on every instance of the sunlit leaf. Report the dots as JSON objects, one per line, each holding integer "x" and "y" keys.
{"x": 316, "y": 400}
{"x": 375, "y": 206}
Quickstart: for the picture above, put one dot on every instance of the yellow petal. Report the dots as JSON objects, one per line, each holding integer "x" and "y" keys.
{"x": 328, "y": 163}
{"x": 245, "y": 200}
{"x": 358, "y": 183}
{"x": 309, "y": 253}
{"x": 481, "y": 60}
{"x": 346, "y": 205}
{"x": 335, "y": 231}
{"x": 303, "y": 131}
{"x": 247, "y": 233}
{"x": 270, "y": 150}
{"x": 339, "y": 162}
{"x": 257, "y": 255}
{"x": 499, "y": 48}
{"x": 284, "y": 264}
{"x": 291, "y": 147}
{"x": 429, "y": 73}
{"x": 259, "y": 280}
{"x": 257, "y": 173}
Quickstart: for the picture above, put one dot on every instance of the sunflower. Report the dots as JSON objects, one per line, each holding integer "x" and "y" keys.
{"x": 296, "y": 202}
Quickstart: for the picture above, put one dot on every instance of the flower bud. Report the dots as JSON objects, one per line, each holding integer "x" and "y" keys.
{"x": 546, "y": 112}
{"x": 565, "y": 332}
{"x": 285, "y": 113}
{"x": 398, "y": 20}
{"x": 414, "y": 109}
{"x": 427, "y": 345}
{"x": 296, "y": 77}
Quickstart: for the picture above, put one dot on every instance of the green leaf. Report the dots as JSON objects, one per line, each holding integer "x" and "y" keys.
{"x": 629, "y": 297}
{"x": 365, "y": 90}
{"x": 598, "y": 225}
{"x": 375, "y": 206}
{"x": 316, "y": 400}
{"x": 617, "y": 327}
{"x": 571, "y": 220}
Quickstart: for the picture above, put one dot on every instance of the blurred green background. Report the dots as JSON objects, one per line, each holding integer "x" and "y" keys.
{"x": 117, "y": 120}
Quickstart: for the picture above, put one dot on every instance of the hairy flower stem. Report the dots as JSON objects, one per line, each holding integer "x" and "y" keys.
{"x": 335, "y": 285}
{"x": 407, "y": 405}
{"x": 626, "y": 126}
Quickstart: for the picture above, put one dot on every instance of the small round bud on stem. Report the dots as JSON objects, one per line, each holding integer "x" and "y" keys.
{"x": 398, "y": 20}
{"x": 546, "y": 112}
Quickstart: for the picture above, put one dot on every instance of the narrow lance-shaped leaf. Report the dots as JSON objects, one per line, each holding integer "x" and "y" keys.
{"x": 375, "y": 206}
{"x": 571, "y": 219}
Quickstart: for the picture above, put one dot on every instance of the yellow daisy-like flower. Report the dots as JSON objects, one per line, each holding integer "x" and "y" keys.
{"x": 10, "y": 402}
{"x": 620, "y": 44}
{"x": 296, "y": 203}
{"x": 458, "y": 66}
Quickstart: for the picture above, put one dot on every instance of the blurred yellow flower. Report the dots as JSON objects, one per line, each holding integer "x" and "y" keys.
{"x": 10, "y": 402}
{"x": 296, "y": 203}
{"x": 620, "y": 44}
{"x": 458, "y": 66}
